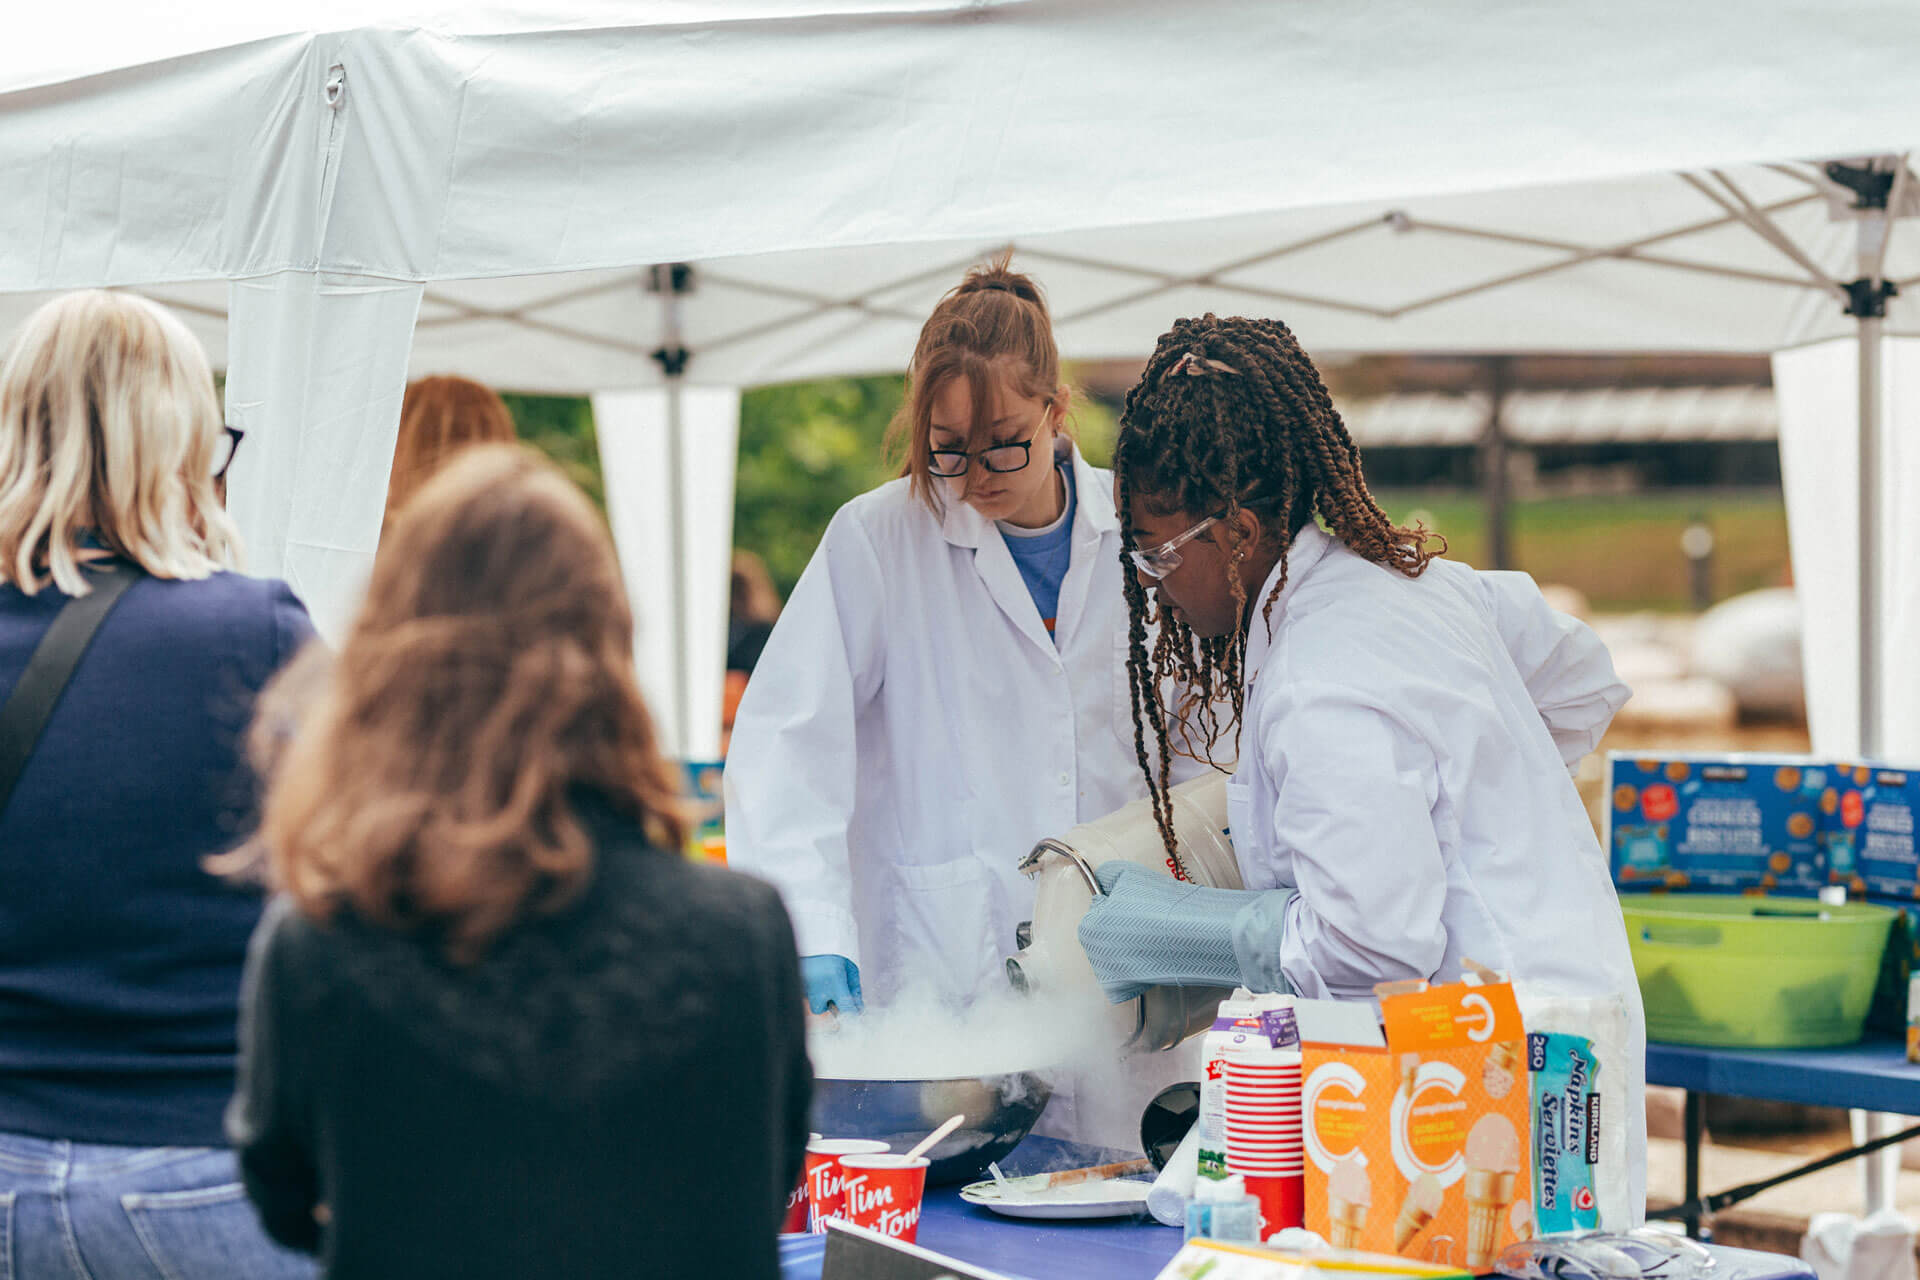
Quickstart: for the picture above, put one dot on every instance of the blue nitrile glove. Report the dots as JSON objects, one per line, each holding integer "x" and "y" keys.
{"x": 1149, "y": 930}
{"x": 831, "y": 980}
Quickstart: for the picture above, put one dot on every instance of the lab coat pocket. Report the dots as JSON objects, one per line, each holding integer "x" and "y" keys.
{"x": 945, "y": 938}
{"x": 1249, "y": 850}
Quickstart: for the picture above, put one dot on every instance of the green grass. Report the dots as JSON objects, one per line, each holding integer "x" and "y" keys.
{"x": 1622, "y": 552}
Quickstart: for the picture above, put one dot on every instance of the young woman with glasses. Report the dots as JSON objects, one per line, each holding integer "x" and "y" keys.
{"x": 947, "y": 685}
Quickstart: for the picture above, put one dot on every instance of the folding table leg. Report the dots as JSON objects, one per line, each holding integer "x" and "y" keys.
{"x": 1696, "y": 1123}
{"x": 1879, "y": 1171}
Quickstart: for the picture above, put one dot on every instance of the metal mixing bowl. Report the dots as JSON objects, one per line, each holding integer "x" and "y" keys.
{"x": 999, "y": 1111}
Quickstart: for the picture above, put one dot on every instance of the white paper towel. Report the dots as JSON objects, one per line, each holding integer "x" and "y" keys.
{"x": 1839, "y": 1246}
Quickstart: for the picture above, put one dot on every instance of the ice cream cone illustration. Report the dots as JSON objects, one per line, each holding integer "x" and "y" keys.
{"x": 1349, "y": 1195}
{"x": 1501, "y": 1069}
{"x": 1493, "y": 1166}
{"x": 1421, "y": 1206}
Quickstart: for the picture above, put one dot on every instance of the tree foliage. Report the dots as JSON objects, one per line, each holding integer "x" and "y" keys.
{"x": 805, "y": 449}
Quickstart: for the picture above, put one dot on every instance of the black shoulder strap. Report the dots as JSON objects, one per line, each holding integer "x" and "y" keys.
{"x": 30, "y": 705}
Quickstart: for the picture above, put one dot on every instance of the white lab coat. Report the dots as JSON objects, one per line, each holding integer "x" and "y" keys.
{"x": 1405, "y": 767}
{"x": 911, "y": 732}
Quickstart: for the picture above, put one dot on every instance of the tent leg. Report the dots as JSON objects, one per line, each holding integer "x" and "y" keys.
{"x": 1870, "y": 727}
{"x": 673, "y": 281}
{"x": 1880, "y": 1171}
{"x": 676, "y": 554}
{"x": 1493, "y": 466}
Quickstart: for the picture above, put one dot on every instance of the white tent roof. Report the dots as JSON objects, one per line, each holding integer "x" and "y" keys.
{"x": 1646, "y": 263}
{"x": 1651, "y": 263}
{"x": 440, "y": 140}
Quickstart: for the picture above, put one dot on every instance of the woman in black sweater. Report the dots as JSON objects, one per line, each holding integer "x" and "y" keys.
{"x": 496, "y": 1025}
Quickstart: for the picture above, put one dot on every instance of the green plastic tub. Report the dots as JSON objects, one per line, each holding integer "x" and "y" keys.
{"x": 1762, "y": 973}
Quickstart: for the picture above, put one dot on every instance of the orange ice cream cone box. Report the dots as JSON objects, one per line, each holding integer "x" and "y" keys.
{"x": 1419, "y": 1147}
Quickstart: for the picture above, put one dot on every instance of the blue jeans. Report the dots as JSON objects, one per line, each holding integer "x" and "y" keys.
{"x": 78, "y": 1211}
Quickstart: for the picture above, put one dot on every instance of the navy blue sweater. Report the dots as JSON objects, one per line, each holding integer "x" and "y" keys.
{"x": 120, "y": 956}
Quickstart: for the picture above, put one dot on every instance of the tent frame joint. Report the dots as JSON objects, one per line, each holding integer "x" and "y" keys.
{"x": 1867, "y": 298}
{"x": 670, "y": 277}
{"x": 1871, "y": 187}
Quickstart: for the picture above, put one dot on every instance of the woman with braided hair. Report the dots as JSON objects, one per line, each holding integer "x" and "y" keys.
{"x": 1404, "y": 726}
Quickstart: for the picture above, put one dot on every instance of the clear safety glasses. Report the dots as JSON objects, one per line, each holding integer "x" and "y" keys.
{"x": 1641, "y": 1254}
{"x": 1158, "y": 562}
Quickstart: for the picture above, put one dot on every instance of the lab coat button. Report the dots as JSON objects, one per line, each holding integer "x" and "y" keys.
{"x": 1066, "y": 779}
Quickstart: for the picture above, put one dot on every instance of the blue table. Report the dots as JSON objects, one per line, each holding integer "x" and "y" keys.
{"x": 1025, "y": 1249}
{"x": 1033, "y": 1249}
{"x": 1107, "y": 1249}
{"x": 1871, "y": 1076}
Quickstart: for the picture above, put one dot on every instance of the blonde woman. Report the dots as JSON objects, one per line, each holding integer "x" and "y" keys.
{"x": 498, "y": 1026}
{"x": 120, "y": 957}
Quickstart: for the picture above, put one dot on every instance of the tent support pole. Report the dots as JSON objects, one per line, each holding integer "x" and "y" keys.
{"x": 1867, "y": 298}
{"x": 1869, "y": 479}
{"x": 1880, "y": 1171}
{"x": 1493, "y": 464}
{"x": 672, "y": 282}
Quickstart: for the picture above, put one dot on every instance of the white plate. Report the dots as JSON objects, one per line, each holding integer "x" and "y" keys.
{"x": 1115, "y": 1198}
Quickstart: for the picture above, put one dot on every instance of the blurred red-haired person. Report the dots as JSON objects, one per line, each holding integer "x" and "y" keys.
{"x": 439, "y": 417}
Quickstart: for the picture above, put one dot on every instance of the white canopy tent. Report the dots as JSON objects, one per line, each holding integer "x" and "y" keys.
{"x": 340, "y": 192}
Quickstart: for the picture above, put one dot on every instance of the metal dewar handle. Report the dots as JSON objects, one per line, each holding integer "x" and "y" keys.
{"x": 1030, "y": 865}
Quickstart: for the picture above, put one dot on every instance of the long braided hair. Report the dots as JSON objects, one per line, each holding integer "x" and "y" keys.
{"x": 1230, "y": 416}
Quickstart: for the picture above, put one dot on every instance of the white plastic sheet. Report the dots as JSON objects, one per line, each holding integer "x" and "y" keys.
{"x": 1818, "y": 387}
{"x": 682, "y": 675}
{"x": 318, "y": 370}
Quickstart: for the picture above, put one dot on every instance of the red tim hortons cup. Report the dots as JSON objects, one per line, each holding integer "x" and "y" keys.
{"x": 883, "y": 1193}
{"x": 795, "y": 1220}
{"x": 823, "y": 1179}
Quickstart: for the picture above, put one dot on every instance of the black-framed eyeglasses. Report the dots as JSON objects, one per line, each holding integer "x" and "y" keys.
{"x": 952, "y": 464}
{"x": 223, "y": 451}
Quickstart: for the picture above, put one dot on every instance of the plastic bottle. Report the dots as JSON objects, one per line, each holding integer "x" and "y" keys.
{"x": 1223, "y": 1209}
{"x": 1236, "y": 1211}
{"x": 1200, "y": 1209}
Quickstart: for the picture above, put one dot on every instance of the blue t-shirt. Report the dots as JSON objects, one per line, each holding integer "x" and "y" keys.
{"x": 1042, "y": 555}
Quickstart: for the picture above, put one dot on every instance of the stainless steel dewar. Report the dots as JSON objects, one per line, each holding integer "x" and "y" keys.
{"x": 1050, "y": 961}
{"x": 1000, "y": 1111}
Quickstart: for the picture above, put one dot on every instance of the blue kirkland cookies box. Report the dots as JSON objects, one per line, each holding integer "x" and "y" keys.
{"x": 1730, "y": 823}
{"x": 1875, "y": 828}
{"x": 1762, "y": 823}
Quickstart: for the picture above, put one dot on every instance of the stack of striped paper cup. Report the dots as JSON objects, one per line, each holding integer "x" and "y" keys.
{"x": 1265, "y": 1138}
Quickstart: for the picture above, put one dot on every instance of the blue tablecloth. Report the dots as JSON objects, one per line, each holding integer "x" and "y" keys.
{"x": 1874, "y": 1076}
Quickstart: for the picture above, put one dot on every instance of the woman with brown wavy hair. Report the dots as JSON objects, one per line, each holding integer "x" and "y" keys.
{"x": 496, "y": 1025}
